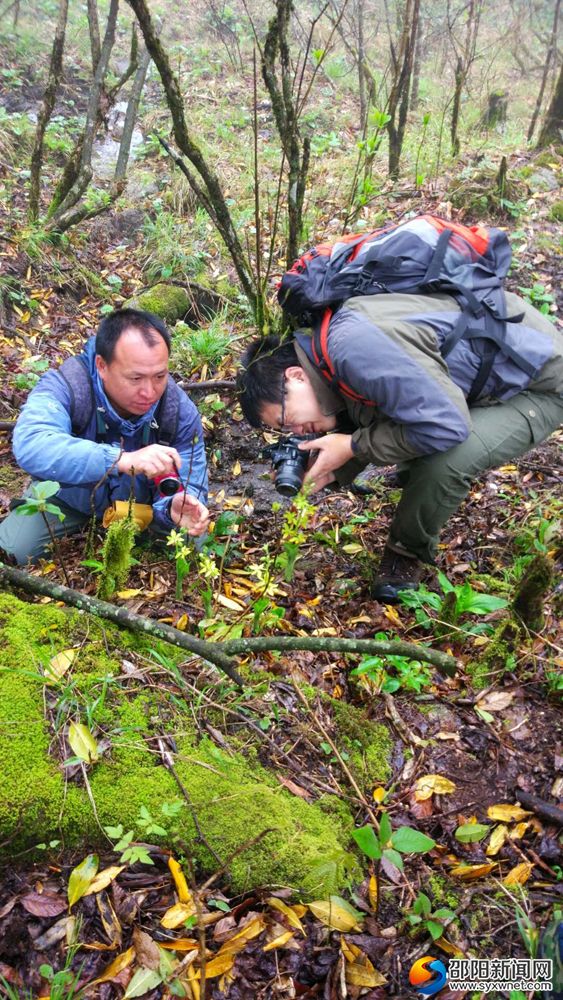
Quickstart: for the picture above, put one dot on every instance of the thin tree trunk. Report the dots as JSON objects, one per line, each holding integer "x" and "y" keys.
{"x": 454, "y": 124}
{"x": 85, "y": 168}
{"x": 398, "y": 102}
{"x": 94, "y": 32}
{"x": 551, "y": 50}
{"x": 55, "y": 70}
{"x": 187, "y": 146}
{"x": 552, "y": 127}
{"x": 131, "y": 116}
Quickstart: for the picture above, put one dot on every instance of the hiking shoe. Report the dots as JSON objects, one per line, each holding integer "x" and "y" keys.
{"x": 396, "y": 572}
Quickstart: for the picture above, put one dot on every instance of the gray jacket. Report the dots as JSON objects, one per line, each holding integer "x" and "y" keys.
{"x": 387, "y": 349}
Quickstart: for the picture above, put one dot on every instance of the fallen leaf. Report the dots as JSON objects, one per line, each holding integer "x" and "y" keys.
{"x": 498, "y": 837}
{"x": 294, "y": 788}
{"x": 507, "y": 813}
{"x": 125, "y": 595}
{"x": 358, "y": 975}
{"x": 44, "y": 904}
{"x": 83, "y": 743}
{"x": 518, "y": 875}
{"x": 469, "y": 872}
{"x": 178, "y": 914}
{"x": 59, "y": 664}
{"x": 279, "y": 942}
{"x": 81, "y": 878}
{"x": 336, "y": 913}
{"x": 433, "y": 784}
{"x": 184, "y": 894}
{"x": 236, "y": 469}
{"x": 227, "y": 602}
{"x": 114, "y": 968}
{"x": 104, "y": 878}
{"x": 288, "y": 911}
{"x": 373, "y": 892}
{"x": 448, "y": 947}
{"x": 142, "y": 982}
{"x": 495, "y": 701}
{"x": 146, "y": 950}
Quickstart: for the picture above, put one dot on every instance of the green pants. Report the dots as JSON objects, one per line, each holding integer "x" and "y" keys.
{"x": 436, "y": 484}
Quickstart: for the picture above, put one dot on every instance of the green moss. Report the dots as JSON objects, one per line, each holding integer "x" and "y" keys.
{"x": 12, "y": 479}
{"x": 497, "y": 656}
{"x": 441, "y": 890}
{"x": 556, "y": 211}
{"x": 547, "y": 158}
{"x": 368, "y": 743}
{"x": 235, "y": 799}
{"x": 170, "y": 302}
{"x": 116, "y": 557}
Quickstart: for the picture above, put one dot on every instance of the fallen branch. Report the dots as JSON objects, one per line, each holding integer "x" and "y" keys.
{"x": 211, "y": 652}
{"x": 549, "y": 811}
{"x": 220, "y": 653}
{"x": 393, "y": 647}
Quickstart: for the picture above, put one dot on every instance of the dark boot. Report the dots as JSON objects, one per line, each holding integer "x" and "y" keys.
{"x": 396, "y": 572}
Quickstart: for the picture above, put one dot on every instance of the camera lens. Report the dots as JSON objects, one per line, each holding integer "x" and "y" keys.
{"x": 167, "y": 485}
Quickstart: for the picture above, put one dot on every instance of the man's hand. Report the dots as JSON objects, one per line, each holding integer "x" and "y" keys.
{"x": 189, "y": 512}
{"x": 333, "y": 450}
{"x": 154, "y": 460}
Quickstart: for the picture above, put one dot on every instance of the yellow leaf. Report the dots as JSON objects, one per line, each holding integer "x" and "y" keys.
{"x": 279, "y": 941}
{"x": 352, "y": 548}
{"x": 373, "y": 892}
{"x": 81, "y": 878}
{"x": 392, "y": 615}
{"x": 292, "y": 918}
{"x": 182, "y": 622}
{"x": 359, "y": 975}
{"x": 507, "y": 813}
{"x": 469, "y": 872}
{"x": 59, "y": 664}
{"x": 227, "y": 602}
{"x": 433, "y": 784}
{"x": 126, "y": 594}
{"x": 114, "y": 968}
{"x": 184, "y": 894}
{"x": 83, "y": 743}
{"x": 218, "y": 966}
{"x": 378, "y": 795}
{"x": 519, "y": 874}
{"x": 498, "y": 837}
{"x": 508, "y": 468}
{"x": 180, "y": 944}
{"x": 103, "y": 879}
{"x": 236, "y": 469}
{"x": 177, "y": 914}
{"x": 336, "y": 914}
{"x": 252, "y": 929}
{"x": 48, "y": 568}
{"x": 518, "y": 831}
{"x": 448, "y": 947}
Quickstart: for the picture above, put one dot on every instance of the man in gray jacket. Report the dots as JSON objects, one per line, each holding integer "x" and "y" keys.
{"x": 391, "y": 398}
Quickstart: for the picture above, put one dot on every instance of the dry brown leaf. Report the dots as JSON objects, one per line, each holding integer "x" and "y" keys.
{"x": 59, "y": 664}
{"x": 146, "y": 950}
{"x": 177, "y": 915}
{"x": 359, "y": 975}
{"x": 518, "y": 875}
{"x": 114, "y": 968}
{"x": 496, "y": 701}
{"x": 433, "y": 784}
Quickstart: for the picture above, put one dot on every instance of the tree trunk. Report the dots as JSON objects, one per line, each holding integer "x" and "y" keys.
{"x": 551, "y": 50}
{"x": 552, "y": 127}
{"x": 131, "y": 116}
{"x": 55, "y": 69}
{"x": 94, "y": 32}
{"x": 190, "y": 149}
{"x": 458, "y": 87}
{"x": 398, "y": 102}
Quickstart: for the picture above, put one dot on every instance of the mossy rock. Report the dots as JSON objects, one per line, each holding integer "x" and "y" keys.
{"x": 235, "y": 798}
{"x": 556, "y": 211}
{"x": 170, "y": 302}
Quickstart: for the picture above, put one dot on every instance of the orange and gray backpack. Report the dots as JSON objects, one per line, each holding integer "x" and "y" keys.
{"x": 423, "y": 255}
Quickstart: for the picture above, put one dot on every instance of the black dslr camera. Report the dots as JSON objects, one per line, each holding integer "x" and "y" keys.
{"x": 289, "y": 463}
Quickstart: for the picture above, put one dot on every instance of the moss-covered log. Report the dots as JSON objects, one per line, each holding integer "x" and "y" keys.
{"x": 532, "y": 591}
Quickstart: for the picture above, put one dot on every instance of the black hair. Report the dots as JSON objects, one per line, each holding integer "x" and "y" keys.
{"x": 111, "y": 328}
{"x": 261, "y": 377}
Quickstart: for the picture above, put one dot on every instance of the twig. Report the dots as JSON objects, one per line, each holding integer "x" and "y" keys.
{"x": 166, "y": 758}
{"x": 547, "y": 810}
{"x": 400, "y": 725}
{"x": 243, "y": 847}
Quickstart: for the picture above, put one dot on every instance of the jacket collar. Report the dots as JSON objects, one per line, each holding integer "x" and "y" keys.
{"x": 329, "y": 401}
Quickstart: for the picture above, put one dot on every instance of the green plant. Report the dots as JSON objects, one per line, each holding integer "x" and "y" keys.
{"x": 34, "y": 368}
{"x": 116, "y": 556}
{"x": 296, "y": 521}
{"x": 38, "y": 503}
{"x": 170, "y": 249}
{"x": 422, "y": 916}
{"x": 456, "y": 602}
{"x": 204, "y": 346}
{"x": 183, "y": 556}
{"x": 391, "y": 844}
{"x": 538, "y": 296}
{"x": 410, "y": 675}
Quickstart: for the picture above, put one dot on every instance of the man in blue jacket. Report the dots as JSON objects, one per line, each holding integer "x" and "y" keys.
{"x": 105, "y": 422}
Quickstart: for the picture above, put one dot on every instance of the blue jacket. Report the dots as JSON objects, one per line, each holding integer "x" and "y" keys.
{"x": 45, "y": 447}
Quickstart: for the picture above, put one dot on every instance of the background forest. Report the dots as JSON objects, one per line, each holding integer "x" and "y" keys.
{"x": 238, "y": 775}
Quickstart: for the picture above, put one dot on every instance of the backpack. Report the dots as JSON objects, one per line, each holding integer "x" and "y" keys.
{"x": 424, "y": 255}
{"x": 83, "y": 404}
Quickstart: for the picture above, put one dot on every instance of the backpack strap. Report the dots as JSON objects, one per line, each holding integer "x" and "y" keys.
{"x": 168, "y": 413}
{"x": 325, "y": 366}
{"x": 82, "y": 399}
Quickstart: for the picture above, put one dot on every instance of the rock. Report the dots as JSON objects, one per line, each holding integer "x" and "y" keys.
{"x": 170, "y": 302}
{"x": 543, "y": 180}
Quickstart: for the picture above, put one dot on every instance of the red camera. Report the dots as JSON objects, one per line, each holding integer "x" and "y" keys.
{"x": 168, "y": 484}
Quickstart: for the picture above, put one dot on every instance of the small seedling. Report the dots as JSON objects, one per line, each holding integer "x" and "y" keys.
{"x": 422, "y": 916}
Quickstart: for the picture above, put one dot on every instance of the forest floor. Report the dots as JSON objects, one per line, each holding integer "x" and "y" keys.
{"x": 491, "y": 731}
